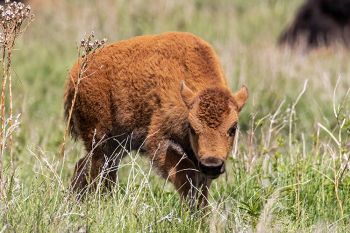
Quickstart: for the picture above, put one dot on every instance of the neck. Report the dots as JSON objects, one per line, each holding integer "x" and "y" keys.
{"x": 184, "y": 141}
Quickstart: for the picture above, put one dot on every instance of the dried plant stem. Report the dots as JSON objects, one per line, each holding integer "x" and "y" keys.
{"x": 2, "y": 105}
{"x": 8, "y": 71}
{"x": 87, "y": 46}
{"x": 14, "y": 19}
{"x": 7, "y": 52}
{"x": 292, "y": 114}
{"x": 11, "y": 120}
{"x": 3, "y": 93}
{"x": 76, "y": 89}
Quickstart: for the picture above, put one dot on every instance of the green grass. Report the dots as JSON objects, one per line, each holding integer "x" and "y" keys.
{"x": 285, "y": 173}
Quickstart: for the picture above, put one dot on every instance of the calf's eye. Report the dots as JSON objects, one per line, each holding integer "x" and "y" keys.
{"x": 232, "y": 131}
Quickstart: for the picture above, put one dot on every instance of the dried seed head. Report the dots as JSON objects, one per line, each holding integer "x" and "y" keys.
{"x": 89, "y": 44}
{"x": 14, "y": 16}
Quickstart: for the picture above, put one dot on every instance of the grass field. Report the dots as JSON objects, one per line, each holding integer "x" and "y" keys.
{"x": 288, "y": 173}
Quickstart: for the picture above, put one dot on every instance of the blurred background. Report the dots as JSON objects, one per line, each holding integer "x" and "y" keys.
{"x": 293, "y": 89}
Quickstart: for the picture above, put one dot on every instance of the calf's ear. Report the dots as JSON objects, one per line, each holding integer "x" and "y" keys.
{"x": 241, "y": 97}
{"x": 187, "y": 94}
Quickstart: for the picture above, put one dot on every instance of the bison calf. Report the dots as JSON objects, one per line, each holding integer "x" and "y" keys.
{"x": 165, "y": 95}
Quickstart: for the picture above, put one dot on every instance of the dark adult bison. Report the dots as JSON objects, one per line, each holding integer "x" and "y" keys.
{"x": 319, "y": 22}
{"x": 165, "y": 95}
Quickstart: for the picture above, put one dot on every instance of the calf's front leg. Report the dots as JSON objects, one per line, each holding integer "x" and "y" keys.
{"x": 176, "y": 167}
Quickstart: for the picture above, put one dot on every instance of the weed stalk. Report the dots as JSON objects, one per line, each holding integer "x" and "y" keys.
{"x": 15, "y": 17}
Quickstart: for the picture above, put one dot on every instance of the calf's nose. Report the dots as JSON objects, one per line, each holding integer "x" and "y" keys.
{"x": 212, "y": 166}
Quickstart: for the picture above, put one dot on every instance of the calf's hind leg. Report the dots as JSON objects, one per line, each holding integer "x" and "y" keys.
{"x": 98, "y": 168}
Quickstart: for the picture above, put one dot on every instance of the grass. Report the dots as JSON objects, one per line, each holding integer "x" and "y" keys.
{"x": 288, "y": 172}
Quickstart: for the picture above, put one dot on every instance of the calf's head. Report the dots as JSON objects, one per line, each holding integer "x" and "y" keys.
{"x": 212, "y": 123}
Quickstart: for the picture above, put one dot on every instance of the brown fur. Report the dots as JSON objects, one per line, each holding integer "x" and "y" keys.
{"x": 147, "y": 93}
{"x": 213, "y": 107}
